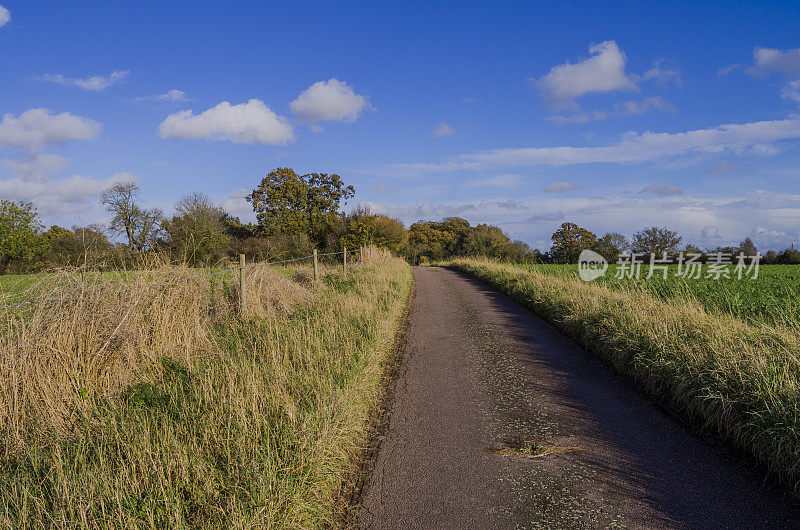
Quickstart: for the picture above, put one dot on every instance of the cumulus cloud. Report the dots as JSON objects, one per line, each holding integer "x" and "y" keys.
{"x": 662, "y": 190}
{"x": 37, "y": 128}
{"x": 36, "y": 167}
{"x": 442, "y": 130}
{"x": 769, "y": 60}
{"x": 330, "y": 100}
{"x": 246, "y": 123}
{"x": 171, "y": 95}
{"x": 738, "y": 138}
{"x": 56, "y": 197}
{"x": 560, "y": 187}
{"x": 94, "y": 83}
{"x": 603, "y": 71}
{"x": 5, "y": 16}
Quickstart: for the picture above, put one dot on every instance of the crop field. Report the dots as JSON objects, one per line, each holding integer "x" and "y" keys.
{"x": 724, "y": 354}
{"x": 773, "y": 297}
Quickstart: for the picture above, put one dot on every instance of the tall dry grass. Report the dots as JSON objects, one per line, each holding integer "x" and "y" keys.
{"x": 129, "y": 404}
{"x": 737, "y": 380}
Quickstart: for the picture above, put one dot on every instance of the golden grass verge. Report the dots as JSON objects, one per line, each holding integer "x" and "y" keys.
{"x": 125, "y": 404}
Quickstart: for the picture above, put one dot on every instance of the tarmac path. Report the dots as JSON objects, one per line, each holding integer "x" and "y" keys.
{"x": 486, "y": 385}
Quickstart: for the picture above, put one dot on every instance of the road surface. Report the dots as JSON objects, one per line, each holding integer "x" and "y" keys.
{"x": 498, "y": 421}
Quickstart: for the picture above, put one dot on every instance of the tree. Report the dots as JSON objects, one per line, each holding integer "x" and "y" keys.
{"x": 76, "y": 247}
{"x": 747, "y": 247}
{"x": 611, "y": 245}
{"x": 428, "y": 239}
{"x": 568, "y": 242}
{"x": 198, "y": 231}
{"x": 654, "y": 240}
{"x": 286, "y": 202}
{"x": 20, "y": 233}
{"x": 389, "y": 233}
{"x": 140, "y": 226}
{"x": 487, "y": 240}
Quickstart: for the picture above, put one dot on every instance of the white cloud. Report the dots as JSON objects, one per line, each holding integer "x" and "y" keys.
{"x": 769, "y": 218}
{"x": 246, "y": 123}
{"x": 560, "y": 187}
{"x": 5, "y": 16}
{"x": 640, "y": 106}
{"x": 59, "y": 197}
{"x": 769, "y": 60}
{"x": 633, "y": 107}
{"x": 330, "y": 100}
{"x": 95, "y": 83}
{"x": 604, "y": 71}
{"x": 662, "y": 190}
{"x": 236, "y": 205}
{"x": 710, "y": 232}
{"x": 442, "y": 130}
{"x": 36, "y": 167}
{"x": 36, "y": 128}
{"x": 662, "y": 74}
{"x": 791, "y": 92}
{"x": 171, "y": 95}
{"x": 739, "y": 138}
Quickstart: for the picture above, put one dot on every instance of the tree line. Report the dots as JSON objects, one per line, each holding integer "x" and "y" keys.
{"x": 570, "y": 239}
{"x": 294, "y": 214}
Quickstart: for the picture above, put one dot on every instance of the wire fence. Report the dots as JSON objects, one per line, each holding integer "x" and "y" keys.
{"x": 206, "y": 274}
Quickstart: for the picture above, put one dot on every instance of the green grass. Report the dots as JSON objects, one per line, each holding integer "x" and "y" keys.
{"x": 726, "y": 363}
{"x": 258, "y": 431}
{"x": 773, "y": 297}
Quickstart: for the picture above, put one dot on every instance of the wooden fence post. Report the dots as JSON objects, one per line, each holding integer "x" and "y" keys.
{"x": 242, "y": 286}
{"x": 344, "y": 260}
{"x": 316, "y": 266}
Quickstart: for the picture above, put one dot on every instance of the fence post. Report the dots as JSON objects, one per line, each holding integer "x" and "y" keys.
{"x": 242, "y": 289}
{"x": 344, "y": 260}
{"x": 316, "y": 271}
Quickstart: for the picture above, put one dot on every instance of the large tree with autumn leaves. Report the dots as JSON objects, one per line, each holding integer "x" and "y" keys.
{"x": 288, "y": 203}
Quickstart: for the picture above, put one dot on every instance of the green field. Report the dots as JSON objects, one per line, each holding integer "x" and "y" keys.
{"x": 772, "y": 298}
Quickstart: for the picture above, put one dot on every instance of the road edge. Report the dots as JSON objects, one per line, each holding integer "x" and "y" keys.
{"x": 348, "y": 498}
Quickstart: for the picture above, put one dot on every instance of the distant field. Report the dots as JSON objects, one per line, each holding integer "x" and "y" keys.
{"x": 772, "y": 298}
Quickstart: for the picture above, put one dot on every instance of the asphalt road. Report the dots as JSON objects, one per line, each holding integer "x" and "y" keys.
{"x": 483, "y": 379}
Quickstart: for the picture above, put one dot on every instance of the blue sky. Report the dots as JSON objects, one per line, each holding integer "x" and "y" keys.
{"x": 616, "y": 116}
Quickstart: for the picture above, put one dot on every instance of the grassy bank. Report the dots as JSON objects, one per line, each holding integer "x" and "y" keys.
{"x": 737, "y": 379}
{"x": 125, "y": 404}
